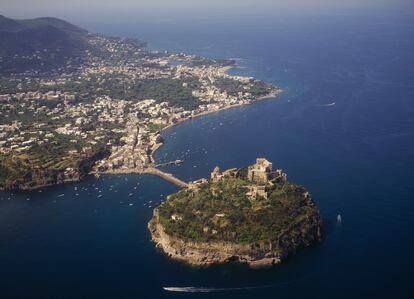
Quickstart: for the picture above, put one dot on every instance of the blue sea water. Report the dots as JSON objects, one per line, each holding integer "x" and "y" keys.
{"x": 356, "y": 157}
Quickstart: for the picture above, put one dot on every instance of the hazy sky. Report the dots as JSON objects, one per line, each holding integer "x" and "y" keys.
{"x": 78, "y": 9}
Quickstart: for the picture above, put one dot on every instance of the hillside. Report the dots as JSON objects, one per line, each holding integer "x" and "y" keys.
{"x": 41, "y": 44}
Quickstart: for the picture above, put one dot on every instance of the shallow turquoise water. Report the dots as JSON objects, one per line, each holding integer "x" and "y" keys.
{"x": 355, "y": 157}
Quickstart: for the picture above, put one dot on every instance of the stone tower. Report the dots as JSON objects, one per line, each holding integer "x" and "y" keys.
{"x": 216, "y": 174}
{"x": 260, "y": 172}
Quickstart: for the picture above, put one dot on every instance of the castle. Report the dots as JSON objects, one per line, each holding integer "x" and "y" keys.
{"x": 260, "y": 173}
{"x": 217, "y": 175}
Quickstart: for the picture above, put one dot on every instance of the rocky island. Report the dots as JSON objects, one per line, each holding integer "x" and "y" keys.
{"x": 252, "y": 215}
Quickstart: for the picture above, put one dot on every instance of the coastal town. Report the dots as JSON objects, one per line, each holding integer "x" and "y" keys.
{"x": 107, "y": 114}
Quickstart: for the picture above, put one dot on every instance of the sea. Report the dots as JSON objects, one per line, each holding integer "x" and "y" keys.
{"x": 343, "y": 128}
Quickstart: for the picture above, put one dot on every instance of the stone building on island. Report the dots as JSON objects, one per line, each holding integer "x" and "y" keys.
{"x": 261, "y": 172}
{"x": 256, "y": 191}
{"x": 260, "y": 175}
{"x": 217, "y": 175}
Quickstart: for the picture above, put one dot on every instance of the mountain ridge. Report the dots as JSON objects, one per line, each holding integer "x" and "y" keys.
{"x": 9, "y": 24}
{"x": 41, "y": 44}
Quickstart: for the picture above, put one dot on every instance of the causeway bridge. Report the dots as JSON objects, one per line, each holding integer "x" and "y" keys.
{"x": 149, "y": 170}
{"x": 166, "y": 176}
{"x": 176, "y": 162}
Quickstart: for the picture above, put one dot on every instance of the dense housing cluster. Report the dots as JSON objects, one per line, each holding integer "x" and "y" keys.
{"x": 105, "y": 114}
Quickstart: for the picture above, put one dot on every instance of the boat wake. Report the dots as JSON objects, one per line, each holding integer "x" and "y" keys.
{"x": 327, "y": 105}
{"x": 210, "y": 290}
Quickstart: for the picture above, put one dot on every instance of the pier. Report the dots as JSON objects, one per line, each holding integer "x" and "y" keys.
{"x": 148, "y": 170}
{"x": 176, "y": 162}
{"x": 166, "y": 176}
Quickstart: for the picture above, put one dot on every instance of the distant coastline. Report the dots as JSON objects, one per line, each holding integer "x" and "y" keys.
{"x": 105, "y": 113}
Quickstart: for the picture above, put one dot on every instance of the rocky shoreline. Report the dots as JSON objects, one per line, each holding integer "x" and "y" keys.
{"x": 42, "y": 178}
{"x": 259, "y": 254}
{"x": 251, "y": 215}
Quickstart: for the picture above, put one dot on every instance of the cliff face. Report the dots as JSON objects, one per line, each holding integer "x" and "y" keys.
{"x": 256, "y": 217}
{"x": 30, "y": 179}
{"x": 300, "y": 234}
{"x": 39, "y": 178}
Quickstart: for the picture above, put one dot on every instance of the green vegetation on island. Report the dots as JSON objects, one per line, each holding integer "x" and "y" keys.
{"x": 252, "y": 215}
{"x": 222, "y": 211}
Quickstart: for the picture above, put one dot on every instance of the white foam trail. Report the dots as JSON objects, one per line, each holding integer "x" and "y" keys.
{"x": 209, "y": 290}
{"x": 327, "y": 105}
{"x": 189, "y": 289}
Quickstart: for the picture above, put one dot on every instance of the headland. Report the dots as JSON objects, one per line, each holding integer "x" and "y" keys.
{"x": 103, "y": 110}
